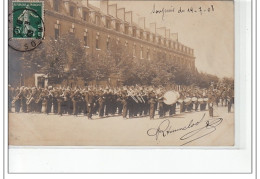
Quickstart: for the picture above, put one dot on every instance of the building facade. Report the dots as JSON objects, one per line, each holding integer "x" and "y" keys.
{"x": 95, "y": 27}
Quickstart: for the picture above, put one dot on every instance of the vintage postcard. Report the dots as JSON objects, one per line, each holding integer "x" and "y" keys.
{"x": 121, "y": 73}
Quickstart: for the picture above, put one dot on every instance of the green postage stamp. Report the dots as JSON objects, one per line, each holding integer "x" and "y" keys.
{"x": 27, "y": 19}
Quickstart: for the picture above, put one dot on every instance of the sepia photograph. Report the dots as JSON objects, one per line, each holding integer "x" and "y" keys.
{"x": 121, "y": 73}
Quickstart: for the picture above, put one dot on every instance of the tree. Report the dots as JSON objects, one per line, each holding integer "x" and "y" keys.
{"x": 60, "y": 58}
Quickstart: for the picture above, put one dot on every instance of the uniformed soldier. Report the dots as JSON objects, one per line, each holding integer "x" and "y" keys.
{"x": 31, "y": 107}
{"x": 146, "y": 104}
{"x": 10, "y": 97}
{"x": 211, "y": 100}
{"x": 89, "y": 98}
{"x": 101, "y": 102}
{"x": 172, "y": 109}
{"x": 230, "y": 95}
{"x": 55, "y": 96}
{"x": 161, "y": 105}
{"x": 119, "y": 104}
{"x": 38, "y": 101}
{"x": 152, "y": 102}
{"x": 60, "y": 99}
{"x": 75, "y": 101}
{"x": 25, "y": 95}
{"x": 124, "y": 101}
{"x": 49, "y": 99}
{"x": 17, "y": 99}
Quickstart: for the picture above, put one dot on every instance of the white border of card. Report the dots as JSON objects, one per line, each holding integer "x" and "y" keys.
{"x": 238, "y": 159}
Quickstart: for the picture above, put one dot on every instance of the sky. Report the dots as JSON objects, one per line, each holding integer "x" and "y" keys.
{"x": 210, "y": 34}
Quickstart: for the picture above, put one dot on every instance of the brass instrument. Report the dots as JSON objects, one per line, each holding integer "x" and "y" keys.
{"x": 16, "y": 97}
{"x": 134, "y": 99}
{"x": 38, "y": 99}
{"x": 131, "y": 95}
{"x": 142, "y": 98}
{"x": 29, "y": 100}
{"x": 139, "y": 98}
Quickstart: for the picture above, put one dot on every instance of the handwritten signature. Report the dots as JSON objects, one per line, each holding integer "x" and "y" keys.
{"x": 165, "y": 128}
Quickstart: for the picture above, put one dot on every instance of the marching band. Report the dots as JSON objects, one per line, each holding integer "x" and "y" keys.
{"x": 127, "y": 101}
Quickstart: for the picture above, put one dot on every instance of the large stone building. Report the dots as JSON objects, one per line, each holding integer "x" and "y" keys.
{"x": 97, "y": 26}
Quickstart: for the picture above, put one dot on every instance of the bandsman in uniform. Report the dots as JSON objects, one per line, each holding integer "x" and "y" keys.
{"x": 152, "y": 102}
{"x": 211, "y": 100}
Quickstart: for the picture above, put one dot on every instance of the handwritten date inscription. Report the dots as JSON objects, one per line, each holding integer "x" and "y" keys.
{"x": 206, "y": 127}
{"x": 180, "y": 10}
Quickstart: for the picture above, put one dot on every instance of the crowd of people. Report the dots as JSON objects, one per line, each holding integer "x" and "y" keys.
{"x": 127, "y": 101}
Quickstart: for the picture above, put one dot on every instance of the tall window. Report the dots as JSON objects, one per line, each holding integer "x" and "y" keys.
{"x": 108, "y": 43}
{"x": 97, "y": 41}
{"x": 108, "y": 23}
{"x": 85, "y": 16}
{"x": 147, "y": 36}
{"x": 97, "y": 20}
{"x": 148, "y": 55}
{"x": 56, "y": 5}
{"x": 126, "y": 30}
{"x": 141, "y": 53}
{"x": 134, "y": 32}
{"x": 118, "y": 27}
{"x": 141, "y": 35}
{"x": 57, "y": 33}
{"x": 72, "y": 9}
{"x": 85, "y": 39}
{"x": 134, "y": 50}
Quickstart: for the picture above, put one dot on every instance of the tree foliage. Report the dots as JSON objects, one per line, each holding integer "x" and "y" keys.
{"x": 66, "y": 58}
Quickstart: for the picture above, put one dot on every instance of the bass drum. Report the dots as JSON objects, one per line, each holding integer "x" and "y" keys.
{"x": 170, "y": 97}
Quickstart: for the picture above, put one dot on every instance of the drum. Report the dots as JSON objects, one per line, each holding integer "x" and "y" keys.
{"x": 170, "y": 97}
{"x": 205, "y": 99}
{"x": 194, "y": 99}
{"x": 187, "y": 100}
{"x": 180, "y": 101}
{"x": 200, "y": 100}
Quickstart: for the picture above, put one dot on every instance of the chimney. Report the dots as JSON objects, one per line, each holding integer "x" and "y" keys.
{"x": 141, "y": 22}
{"x": 162, "y": 31}
{"x": 174, "y": 36}
{"x": 104, "y": 6}
{"x": 121, "y": 13}
{"x": 128, "y": 17}
{"x": 153, "y": 27}
{"x": 168, "y": 32}
{"x": 112, "y": 10}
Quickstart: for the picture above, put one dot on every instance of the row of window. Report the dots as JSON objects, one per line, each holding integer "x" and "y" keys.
{"x": 97, "y": 44}
{"x": 125, "y": 29}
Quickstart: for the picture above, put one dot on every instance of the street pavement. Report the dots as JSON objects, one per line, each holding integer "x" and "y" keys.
{"x": 194, "y": 128}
